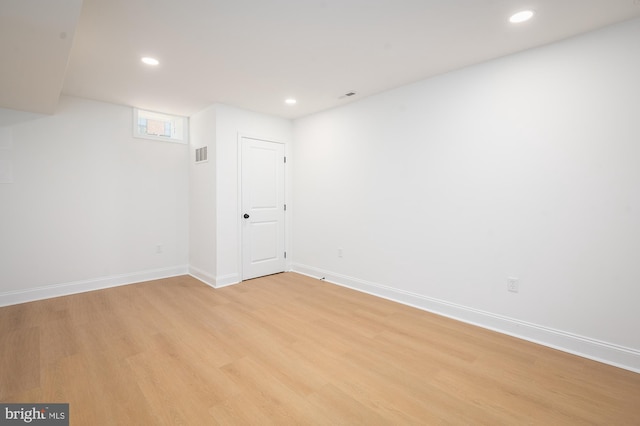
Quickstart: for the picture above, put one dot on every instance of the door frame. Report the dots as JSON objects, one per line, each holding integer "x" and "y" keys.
{"x": 239, "y": 197}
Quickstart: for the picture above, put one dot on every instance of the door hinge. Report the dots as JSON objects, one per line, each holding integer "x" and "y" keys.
{"x": 285, "y": 159}
{"x": 285, "y": 254}
{"x": 285, "y": 207}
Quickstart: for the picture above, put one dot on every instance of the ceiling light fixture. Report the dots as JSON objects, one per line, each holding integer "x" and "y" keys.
{"x": 290, "y": 101}
{"x": 522, "y": 16}
{"x": 150, "y": 61}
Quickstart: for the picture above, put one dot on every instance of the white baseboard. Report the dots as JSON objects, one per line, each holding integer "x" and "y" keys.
{"x": 225, "y": 280}
{"x": 211, "y": 280}
{"x": 585, "y": 347}
{"x": 203, "y": 276}
{"x": 56, "y": 290}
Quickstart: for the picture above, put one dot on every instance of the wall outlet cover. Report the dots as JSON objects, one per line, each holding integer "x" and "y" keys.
{"x": 513, "y": 284}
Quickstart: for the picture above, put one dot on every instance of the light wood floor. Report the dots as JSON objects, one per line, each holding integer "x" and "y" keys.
{"x": 289, "y": 349}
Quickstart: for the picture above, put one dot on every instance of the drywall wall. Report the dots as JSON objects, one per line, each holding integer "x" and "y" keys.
{"x": 89, "y": 204}
{"x": 523, "y": 167}
{"x": 230, "y": 123}
{"x": 202, "y": 197}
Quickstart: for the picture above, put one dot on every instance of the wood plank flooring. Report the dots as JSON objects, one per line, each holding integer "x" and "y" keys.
{"x": 289, "y": 349}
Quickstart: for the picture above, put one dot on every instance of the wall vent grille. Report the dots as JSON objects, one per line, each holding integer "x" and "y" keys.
{"x": 201, "y": 154}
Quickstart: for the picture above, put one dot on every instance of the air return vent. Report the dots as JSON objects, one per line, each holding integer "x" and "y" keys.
{"x": 348, "y": 95}
{"x": 201, "y": 154}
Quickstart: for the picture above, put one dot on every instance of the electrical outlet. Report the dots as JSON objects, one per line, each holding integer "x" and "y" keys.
{"x": 513, "y": 284}
{"x": 159, "y": 248}
{"x": 339, "y": 252}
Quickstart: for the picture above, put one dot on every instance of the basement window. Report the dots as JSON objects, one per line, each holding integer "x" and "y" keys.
{"x": 158, "y": 126}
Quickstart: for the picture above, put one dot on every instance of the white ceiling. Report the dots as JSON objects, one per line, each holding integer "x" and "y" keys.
{"x": 255, "y": 53}
{"x": 35, "y": 43}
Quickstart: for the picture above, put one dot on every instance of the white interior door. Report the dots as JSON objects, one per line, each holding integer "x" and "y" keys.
{"x": 263, "y": 208}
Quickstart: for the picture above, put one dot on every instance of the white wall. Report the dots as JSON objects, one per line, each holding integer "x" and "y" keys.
{"x": 526, "y": 166}
{"x": 202, "y": 197}
{"x": 89, "y": 204}
{"x": 231, "y": 122}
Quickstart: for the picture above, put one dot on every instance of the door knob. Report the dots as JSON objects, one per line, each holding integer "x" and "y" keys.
{"x": 246, "y": 216}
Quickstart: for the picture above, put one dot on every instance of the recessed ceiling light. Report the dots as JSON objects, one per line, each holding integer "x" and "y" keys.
{"x": 150, "y": 61}
{"x": 290, "y": 101}
{"x": 522, "y": 16}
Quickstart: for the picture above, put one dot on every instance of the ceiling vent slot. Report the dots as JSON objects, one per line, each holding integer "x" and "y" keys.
{"x": 201, "y": 154}
{"x": 348, "y": 95}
